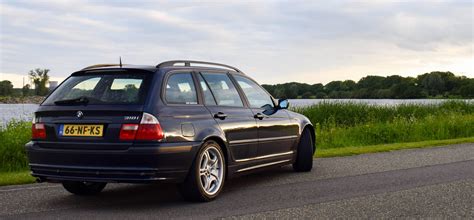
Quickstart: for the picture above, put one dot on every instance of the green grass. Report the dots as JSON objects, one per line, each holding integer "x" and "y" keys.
{"x": 400, "y": 130}
{"x": 16, "y": 178}
{"x": 13, "y": 138}
{"x": 348, "y": 151}
{"x": 350, "y": 114}
{"x": 350, "y": 125}
{"x": 13, "y": 160}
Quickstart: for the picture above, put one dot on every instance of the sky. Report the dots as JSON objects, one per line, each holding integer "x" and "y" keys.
{"x": 271, "y": 41}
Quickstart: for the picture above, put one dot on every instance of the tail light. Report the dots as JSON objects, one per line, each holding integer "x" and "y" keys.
{"x": 149, "y": 129}
{"x": 38, "y": 131}
{"x": 128, "y": 132}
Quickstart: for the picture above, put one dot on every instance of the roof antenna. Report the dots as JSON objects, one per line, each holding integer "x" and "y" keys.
{"x": 120, "y": 59}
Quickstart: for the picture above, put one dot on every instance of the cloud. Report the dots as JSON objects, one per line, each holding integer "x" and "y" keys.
{"x": 289, "y": 41}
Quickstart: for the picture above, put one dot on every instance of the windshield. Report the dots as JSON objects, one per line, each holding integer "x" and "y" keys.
{"x": 101, "y": 89}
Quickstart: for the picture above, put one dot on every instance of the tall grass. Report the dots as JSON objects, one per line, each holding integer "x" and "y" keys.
{"x": 350, "y": 114}
{"x": 351, "y": 124}
{"x": 13, "y": 138}
{"x": 337, "y": 125}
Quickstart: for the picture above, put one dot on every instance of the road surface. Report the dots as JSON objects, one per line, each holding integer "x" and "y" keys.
{"x": 431, "y": 182}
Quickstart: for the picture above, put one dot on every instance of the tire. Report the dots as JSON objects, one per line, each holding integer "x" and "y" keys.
{"x": 304, "y": 153}
{"x": 83, "y": 188}
{"x": 209, "y": 167}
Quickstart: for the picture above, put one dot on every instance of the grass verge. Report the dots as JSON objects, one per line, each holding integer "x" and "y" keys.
{"x": 24, "y": 177}
{"x": 13, "y": 138}
{"x": 340, "y": 125}
{"x": 348, "y": 151}
{"x": 16, "y": 178}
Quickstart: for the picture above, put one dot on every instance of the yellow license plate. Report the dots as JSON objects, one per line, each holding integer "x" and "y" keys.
{"x": 81, "y": 130}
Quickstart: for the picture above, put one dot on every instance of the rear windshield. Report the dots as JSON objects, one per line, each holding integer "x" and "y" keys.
{"x": 101, "y": 89}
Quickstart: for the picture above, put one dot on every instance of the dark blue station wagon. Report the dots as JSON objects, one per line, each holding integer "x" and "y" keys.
{"x": 194, "y": 123}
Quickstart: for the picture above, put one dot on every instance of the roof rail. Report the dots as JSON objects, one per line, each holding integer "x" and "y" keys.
{"x": 100, "y": 65}
{"x": 189, "y": 62}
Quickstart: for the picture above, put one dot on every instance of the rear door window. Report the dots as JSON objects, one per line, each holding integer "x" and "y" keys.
{"x": 101, "y": 89}
{"x": 223, "y": 89}
{"x": 180, "y": 89}
{"x": 208, "y": 96}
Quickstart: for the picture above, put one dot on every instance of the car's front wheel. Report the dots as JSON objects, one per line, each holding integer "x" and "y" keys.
{"x": 304, "y": 153}
{"x": 207, "y": 174}
{"x": 83, "y": 188}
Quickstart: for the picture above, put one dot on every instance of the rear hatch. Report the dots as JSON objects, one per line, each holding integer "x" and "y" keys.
{"x": 88, "y": 109}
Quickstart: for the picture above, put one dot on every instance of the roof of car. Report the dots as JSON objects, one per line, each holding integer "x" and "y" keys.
{"x": 166, "y": 66}
{"x": 125, "y": 66}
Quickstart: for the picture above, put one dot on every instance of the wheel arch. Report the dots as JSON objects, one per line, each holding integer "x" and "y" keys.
{"x": 313, "y": 135}
{"x": 224, "y": 149}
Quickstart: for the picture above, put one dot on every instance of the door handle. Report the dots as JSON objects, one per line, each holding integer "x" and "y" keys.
{"x": 220, "y": 115}
{"x": 259, "y": 116}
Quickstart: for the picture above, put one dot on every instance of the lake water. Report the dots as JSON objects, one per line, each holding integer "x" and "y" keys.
{"x": 23, "y": 112}
{"x": 9, "y": 112}
{"x": 389, "y": 102}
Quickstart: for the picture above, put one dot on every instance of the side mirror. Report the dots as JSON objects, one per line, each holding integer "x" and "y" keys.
{"x": 283, "y": 103}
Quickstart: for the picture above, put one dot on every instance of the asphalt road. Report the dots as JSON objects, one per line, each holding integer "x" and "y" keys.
{"x": 432, "y": 182}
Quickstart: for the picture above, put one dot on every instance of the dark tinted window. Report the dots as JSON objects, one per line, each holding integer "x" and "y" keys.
{"x": 256, "y": 96}
{"x": 180, "y": 89}
{"x": 102, "y": 89}
{"x": 208, "y": 97}
{"x": 223, "y": 89}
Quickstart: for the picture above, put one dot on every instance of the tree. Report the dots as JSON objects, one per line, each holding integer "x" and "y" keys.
{"x": 6, "y": 88}
{"x": 292, "y": 91}
{"x": 40, "y": 78}
{"x": 467, "y": 90}
{"x": 348, "y": 85}
{"x": 307, "y": 95}
{"x": 279, "y": 92}
{"x": 433, "y": 83}
{"x": 321, "y": 95}
{"x": 371, "y": 82}
{"x": 269, "y": 88}
{"x": 334, "y": 86}
{"x": 25, "y": 90}
{"x": 317, "y": 88}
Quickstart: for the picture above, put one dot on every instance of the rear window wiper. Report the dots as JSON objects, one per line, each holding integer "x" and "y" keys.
{"x": 81, "y": 100}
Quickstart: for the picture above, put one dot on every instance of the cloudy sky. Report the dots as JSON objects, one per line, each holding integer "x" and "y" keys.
{"x": 272, "y": 41}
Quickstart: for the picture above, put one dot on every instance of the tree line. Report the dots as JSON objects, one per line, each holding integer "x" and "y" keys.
{"x": 428, "y": 85}
{"x": 39, "y": 78}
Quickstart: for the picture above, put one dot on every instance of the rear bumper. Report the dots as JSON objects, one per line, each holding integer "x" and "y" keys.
{"x": 158, "y": 162}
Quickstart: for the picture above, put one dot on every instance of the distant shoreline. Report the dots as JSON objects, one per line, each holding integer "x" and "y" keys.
{"x": 21, "y": 100}
{"x": 39, "y": 99}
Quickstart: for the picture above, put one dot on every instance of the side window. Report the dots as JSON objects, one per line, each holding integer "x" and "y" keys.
{"x": 180, "y": 89}
{"x": 208, "y": 97}
{"x": 256, "y": 96}
{"x": 223, "y": 89}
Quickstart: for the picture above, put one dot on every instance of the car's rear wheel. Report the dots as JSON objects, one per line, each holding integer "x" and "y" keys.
{"x": 83, "y": 188}
{"x": 207, "y": 174}
{"x": 304, "y": 153}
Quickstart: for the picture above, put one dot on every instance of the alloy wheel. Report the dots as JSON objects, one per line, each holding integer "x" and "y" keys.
{"x": 211, "y": 170}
